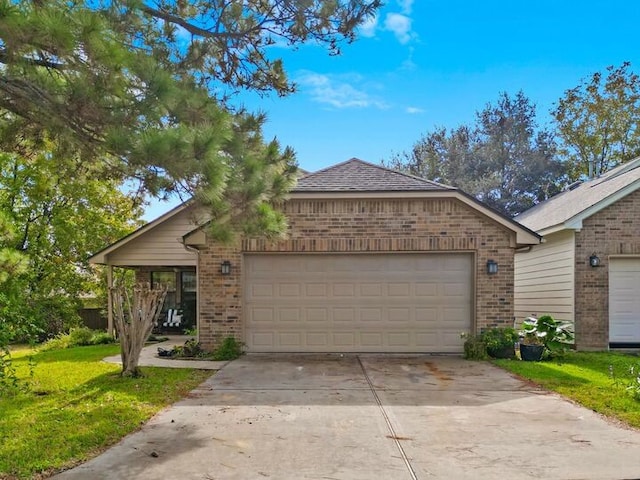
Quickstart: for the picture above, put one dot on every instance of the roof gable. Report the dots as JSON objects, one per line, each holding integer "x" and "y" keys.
{"x": 568, "y": 209}
{"x": 356, "y": 175}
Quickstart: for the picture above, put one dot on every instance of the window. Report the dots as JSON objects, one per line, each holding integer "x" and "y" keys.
{"x": 164, "y": 278}
{"x": 189, "y": 282}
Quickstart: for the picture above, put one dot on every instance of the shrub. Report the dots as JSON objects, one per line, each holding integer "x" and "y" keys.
{"x": 191, "y": 349}
{"x": 230, "y": 349}
{"x": 192, "y": 332}
{"x": 59, "y": 342}
{"x": 80, "y": 336}
{"x": 474, "y": 347}
{"x": 77, "y": 337}
{"x": 101, "y": 338}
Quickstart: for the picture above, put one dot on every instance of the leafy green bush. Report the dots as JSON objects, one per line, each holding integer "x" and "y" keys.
{"x": 474, "y": 347}
{"x": 190, "y": 349}
{"x": 102, "y": 338}
{"x": 230, "y": 349}
{"x": 193, "y": 331}
{"x": 77, "y": 337}
{"x": 80, "y": 336}
{"x": 59, "y": 342}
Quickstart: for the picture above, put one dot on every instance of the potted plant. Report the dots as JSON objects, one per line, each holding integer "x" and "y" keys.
{"x": 544, "y": 334}
{"x": 500, "y": 342}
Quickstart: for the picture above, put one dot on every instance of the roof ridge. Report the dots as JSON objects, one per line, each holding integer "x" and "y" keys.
{"x": 383, "y": 168}
{"x": 408, "y": 175}
{"x": 617, "y": 171}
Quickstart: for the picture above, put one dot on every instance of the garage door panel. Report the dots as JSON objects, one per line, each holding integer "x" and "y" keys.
{"x": 367, "y": 303}
{"x": 370, "y": 315}
{"x": 371, "y": 339}
{"x": 315, "y": 289}
{"x": 344, "y": 339}
{"x": 316, "y": 315}
{"x": 426, "y": 289}
{"x": 344, "y": 289}
{"x": 397, "y": 289}
{"x": 317, "y": 339}
{"x": 347, "y": 315}
{"x": 289, "y": 314}
{"x": 624, "y": 300}
{"x": 371, "y": 289}
{"x": 262, "y": 314}
{"x": 261, "y": 290}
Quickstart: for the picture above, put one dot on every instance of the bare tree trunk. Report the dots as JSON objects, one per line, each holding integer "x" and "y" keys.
{"x": 134, "y": 319}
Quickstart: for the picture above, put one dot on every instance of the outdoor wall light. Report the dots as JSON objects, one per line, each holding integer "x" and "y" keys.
{"x": 492, "y": 267}
{"x": 225, "y": 267}
{"x": 594, "y": 260}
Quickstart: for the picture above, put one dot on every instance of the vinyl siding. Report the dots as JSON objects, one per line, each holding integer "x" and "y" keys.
{"x": 544, "y": 278}
{"x": 160, "y": 245}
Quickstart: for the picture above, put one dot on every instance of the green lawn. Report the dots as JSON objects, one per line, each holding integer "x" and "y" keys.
{"x": 585, "y": 377}
{"x": 78, "y": 406}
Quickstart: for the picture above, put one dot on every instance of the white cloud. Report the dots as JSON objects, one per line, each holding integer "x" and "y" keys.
{"x": 400, "y": 25}
{"x": 414, "y": 110}
{"x": 405, "y": 6}
{"x": 337, "y": 91}
{"x": 368, "y": 28}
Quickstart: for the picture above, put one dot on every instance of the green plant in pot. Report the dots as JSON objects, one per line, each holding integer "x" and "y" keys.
{"x": 500, "y": 342}
{"x": 544, "y": 334}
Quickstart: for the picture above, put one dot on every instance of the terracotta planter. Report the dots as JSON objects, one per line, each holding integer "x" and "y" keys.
{"x": 531, "y": 353}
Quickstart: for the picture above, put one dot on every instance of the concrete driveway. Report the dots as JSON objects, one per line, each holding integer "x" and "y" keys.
{"x": 370, "y": 417}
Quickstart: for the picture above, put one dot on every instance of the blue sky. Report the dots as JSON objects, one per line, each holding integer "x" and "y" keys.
{"x": 426, "y": 63}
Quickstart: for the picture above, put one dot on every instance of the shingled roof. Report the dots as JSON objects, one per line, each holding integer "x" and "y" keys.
{"x": 356, "y": 175}
{"x": 569, "y": 208}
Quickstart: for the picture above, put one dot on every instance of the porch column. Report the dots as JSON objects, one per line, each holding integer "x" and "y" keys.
{"x": 109, "y": 299}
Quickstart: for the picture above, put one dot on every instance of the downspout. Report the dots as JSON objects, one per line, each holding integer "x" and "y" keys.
{"x": 197, "y": 252}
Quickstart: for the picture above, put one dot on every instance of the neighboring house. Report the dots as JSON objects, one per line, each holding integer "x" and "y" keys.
{"x": 587, "y": 270}
{"x": 374, "y": 261}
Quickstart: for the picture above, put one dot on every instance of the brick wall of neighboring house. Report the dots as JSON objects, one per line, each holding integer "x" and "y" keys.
{"x": 614, "y": 230}
{"x": 402, "y": 225}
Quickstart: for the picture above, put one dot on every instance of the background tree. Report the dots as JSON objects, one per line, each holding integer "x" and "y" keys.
{"x": 60, "y": 210}
{"x": 598, "y": 121}
{"x": 504, "y": 159}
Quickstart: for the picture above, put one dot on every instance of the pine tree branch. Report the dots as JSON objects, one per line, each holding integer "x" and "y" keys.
{"x": 6, "y": 58}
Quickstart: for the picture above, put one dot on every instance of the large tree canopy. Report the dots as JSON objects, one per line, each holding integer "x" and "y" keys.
{"x": 138, "y": 84}
{"x": 599, "y": 121}
{"x": 56, "y": 211}
{"x": 503, "y": 159}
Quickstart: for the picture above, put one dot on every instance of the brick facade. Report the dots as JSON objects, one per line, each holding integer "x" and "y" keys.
{"x": 365, "y": 225}
{"x": 614, "y": 230}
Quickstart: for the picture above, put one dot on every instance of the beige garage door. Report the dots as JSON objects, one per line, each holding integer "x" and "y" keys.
{"x": 624, "y": 300}
{"x": 357, "y": 303}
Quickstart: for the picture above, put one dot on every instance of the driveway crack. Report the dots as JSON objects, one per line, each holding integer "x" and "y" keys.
{"x": 393, "y": 435}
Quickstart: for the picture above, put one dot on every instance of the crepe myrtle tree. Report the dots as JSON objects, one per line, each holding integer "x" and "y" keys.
{"x": 135, "y": 314}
